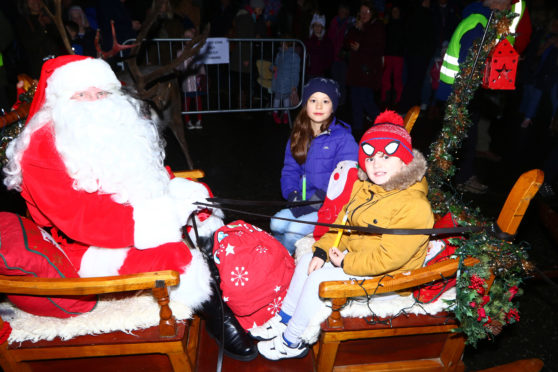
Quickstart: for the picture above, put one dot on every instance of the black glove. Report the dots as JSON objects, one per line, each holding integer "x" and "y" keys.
{"x": 319, "y": 195}
{"x": 293, "y": 196}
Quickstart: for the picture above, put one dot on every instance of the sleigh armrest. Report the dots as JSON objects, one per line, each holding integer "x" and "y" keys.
{"x": 86, "y": 286}
{"x": 343, "y": 289}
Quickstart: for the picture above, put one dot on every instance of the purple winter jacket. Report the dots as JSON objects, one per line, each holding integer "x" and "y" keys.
{"x": 326, "y": 150}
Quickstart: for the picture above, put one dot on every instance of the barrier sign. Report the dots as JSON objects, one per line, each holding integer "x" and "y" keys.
{"x": 215, "y": 51}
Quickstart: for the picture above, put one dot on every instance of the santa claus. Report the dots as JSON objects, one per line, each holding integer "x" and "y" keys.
{"x": 89, "y": 165}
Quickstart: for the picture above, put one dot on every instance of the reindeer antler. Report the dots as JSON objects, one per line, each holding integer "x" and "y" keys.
{"x": 116, "y": 47}
{"x": 191, "y": 48}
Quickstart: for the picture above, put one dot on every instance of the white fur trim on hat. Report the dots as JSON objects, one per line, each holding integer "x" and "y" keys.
{"x": 80, "y": 75}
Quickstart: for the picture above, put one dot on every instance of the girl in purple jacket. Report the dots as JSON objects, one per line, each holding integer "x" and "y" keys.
{"x": 317, "y": 143}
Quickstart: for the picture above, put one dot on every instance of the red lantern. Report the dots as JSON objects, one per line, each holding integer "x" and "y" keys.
{"x": 501, "y": 67}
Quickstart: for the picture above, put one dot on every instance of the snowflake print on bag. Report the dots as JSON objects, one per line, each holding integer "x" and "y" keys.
{"x": 275, "y": 306}
{"x": 239, "y": 276}
{"x": 261, "y": 249}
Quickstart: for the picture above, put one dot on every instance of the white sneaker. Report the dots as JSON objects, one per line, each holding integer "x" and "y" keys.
{"x": 277, "y": 349}
{"x": 271, "y": 329}
{"x": 198, "y": 125}
{"x": 190, "y": 125}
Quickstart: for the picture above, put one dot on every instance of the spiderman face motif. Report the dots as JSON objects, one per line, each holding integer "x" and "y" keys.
{"x": 380, "y": 146}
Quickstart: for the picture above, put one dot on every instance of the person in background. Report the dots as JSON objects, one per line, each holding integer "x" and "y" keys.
{"x": 471, "y": 28}
{"x": 222, "y": 19}
{"x": 248, "y": 23}
{"x": 317, "y": 143}
{"x": 271, "y": 16}
{"x": 319, "y": 48}
{"x": 85, "y": 35}
{"x": 38, "y": 36}
{"x": 338, "y": 28}
{"x": 393, "y": 59}
{"x": 286, "y": 77}
{"x": 193, "y": 84}
{"x": 366, "y": 42}
{"x": 300, "y": 17}
{"x": 419, "y": 49}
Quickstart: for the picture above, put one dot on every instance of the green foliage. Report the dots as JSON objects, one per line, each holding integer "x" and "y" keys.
{"x": 481, "y": 313}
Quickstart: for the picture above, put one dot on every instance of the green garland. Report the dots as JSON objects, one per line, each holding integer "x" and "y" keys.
{"x": 481, "y": 314}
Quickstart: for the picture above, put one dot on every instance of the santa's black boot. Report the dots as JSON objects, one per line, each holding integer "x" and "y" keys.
{"x": 237, "y": 343}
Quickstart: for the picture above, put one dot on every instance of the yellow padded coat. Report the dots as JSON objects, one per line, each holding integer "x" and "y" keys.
{"x": 402, "y": 204}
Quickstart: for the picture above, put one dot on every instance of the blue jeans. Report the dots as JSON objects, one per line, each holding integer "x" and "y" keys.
{"x": 288, "y": 232}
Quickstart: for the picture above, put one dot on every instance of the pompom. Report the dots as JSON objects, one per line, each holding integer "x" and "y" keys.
{"x": 390, "y": 117}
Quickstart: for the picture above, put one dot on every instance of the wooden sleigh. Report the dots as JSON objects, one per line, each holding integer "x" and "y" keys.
{"x": 170, "y": 346}
{"x": 409, "y": 343}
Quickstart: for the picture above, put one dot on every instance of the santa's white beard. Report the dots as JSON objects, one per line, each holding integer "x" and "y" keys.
{"x": 108, "y": 147}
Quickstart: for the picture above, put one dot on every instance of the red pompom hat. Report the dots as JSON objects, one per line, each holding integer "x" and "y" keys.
{"x": 388, "y": 136}
{"x": 62, "y": 76}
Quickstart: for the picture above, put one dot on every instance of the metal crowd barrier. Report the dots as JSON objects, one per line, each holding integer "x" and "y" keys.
{"x": 227, "y": 87}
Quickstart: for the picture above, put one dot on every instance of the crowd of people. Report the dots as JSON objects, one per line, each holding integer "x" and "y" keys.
{"x": 382, "y": 53}
{"x": 397, "y": 54}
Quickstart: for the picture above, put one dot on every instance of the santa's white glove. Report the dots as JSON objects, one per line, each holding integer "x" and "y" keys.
{"x": 156, "y": 221}
{"x": 186, "y": 193}
{"x": 159, "y": 220}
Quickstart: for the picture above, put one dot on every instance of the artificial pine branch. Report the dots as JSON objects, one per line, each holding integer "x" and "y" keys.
{"x": 482, "y": 313}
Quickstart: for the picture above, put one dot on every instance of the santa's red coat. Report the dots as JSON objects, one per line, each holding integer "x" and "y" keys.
{"x": 79, "y": 219}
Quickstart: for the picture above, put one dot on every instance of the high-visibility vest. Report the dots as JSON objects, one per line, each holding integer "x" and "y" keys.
{"x": 517, "y": 8}
{"x": 450, "y": 64}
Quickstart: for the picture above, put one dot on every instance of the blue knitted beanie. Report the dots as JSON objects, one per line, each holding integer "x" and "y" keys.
{"x": 323, "y": 85}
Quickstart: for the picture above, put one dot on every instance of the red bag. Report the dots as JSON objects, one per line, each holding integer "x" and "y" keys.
{"x": 431, "y": 292}
{"x": 27, "y": 250}
{"x": 255, "y": 272}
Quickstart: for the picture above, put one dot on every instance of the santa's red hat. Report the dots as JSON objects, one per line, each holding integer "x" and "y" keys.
{"x": 62, "y": 76}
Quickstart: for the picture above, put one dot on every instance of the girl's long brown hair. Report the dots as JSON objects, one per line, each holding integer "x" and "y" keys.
{"x": 302, "y": 135}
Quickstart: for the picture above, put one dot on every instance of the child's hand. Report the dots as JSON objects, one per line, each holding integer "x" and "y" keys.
{"x": 336, "y": 256}
{"x": 315, "y": 264}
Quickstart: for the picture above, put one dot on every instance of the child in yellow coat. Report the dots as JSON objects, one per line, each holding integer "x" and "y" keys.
{"x": 391, "y": 193}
